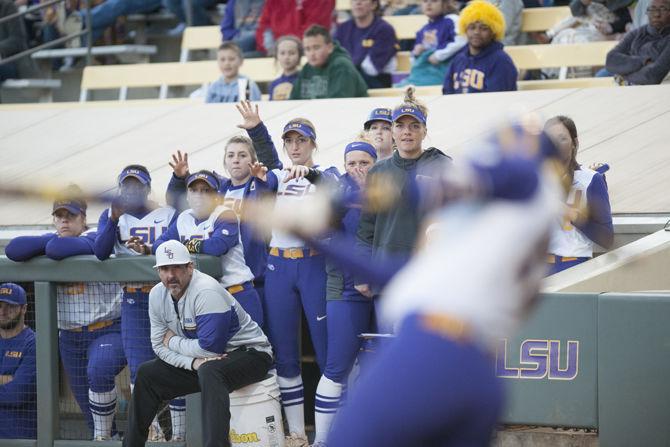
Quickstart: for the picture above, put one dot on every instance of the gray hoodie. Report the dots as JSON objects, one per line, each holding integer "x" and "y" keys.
{"x": 642, "y": 57}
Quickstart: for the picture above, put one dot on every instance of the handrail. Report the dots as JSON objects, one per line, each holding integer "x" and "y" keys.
{"x": 86, "y": 31}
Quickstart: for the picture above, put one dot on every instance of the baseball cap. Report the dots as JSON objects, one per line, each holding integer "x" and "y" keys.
{"x": 172, "y": 252}
{"x": 378, "y": 114}
{"x": 409, "y": 111}
{"x": 72, "y": 205}
{"x": 206, "y": 177}
{"x": 302, "y": 129}
{"x": 12, "y": 293}
{"x": 139, "y": 174}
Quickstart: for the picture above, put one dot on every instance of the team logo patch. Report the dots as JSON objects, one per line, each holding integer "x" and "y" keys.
{"x": 225, "y": 232}
{"x": 271, "y": 267}
{"x": 169, "y": 253}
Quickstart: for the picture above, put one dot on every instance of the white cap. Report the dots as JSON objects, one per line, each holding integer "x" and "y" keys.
{"x": 172, "y": 252}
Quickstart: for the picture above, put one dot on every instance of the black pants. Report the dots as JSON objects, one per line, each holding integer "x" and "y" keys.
{"x": 158, "y": 381}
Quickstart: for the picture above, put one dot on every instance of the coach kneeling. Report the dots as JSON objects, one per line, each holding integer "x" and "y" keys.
{"x": 204, "y": 341}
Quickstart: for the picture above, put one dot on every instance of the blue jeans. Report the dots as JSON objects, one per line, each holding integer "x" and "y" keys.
{"x": 104, "y": 15}
{"x": 198, "y": 8}
{"x": 246, "y": 39}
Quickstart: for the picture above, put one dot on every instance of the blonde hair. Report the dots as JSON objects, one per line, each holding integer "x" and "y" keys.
{"x": 410, "y": 100}
{"x": 241, "y": 139}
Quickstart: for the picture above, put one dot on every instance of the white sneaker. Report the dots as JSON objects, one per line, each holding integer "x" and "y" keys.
{"x": 296, "y": 440}
{"x": 102, "y": 438}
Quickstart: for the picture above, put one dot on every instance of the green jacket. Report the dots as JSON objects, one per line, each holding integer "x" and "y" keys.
{"x": 339, "y": 78}
{"x": 395, "y": 230}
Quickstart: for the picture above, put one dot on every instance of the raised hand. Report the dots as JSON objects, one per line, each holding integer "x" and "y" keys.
{"x": 179, "y": 164}
{"x": 249, "y": 114}
{"x": 258, "y": 170}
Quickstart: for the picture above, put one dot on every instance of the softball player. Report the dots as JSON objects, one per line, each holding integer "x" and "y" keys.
{"x": 433, "y": 384}
{"x": 394, "y": 231}
{"x": 215, "y": 230}
{"x": 90, "y": 343}
{"x": 378, "y": 130}
{"x": 130, "y": 227}
{"x": 239, "y": 153}
{"x": 349, "y": 312}
{"x": 296, "y": 274}
{"x": 588, "y": 217}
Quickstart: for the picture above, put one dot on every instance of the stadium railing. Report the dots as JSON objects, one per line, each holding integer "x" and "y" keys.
{"x": 59, "y": 421}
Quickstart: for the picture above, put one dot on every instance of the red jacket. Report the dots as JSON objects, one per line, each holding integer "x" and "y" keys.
{"x": 287, "y": 17}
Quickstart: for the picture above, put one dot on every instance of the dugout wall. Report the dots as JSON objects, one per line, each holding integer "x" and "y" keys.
{"x": 582, "y": 360}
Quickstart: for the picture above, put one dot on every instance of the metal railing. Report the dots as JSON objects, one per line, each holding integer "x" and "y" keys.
{"x": 87, "y": 31}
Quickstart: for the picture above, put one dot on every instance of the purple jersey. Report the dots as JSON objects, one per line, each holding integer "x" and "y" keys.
{"x": 377, "y": 41}
{"x": 436, "y": 34}
{"x": 280, "y": 88}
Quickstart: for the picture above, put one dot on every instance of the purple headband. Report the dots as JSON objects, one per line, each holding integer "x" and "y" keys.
{"x": 361, "y": 146}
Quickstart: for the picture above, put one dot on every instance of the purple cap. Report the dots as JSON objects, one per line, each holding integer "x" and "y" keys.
{"x": 361, "y": 146}
{"x": 72, "y": 205}
{"x": 414, "y": 112}
{"x": 12, "y": 293}
{"x": 139, "y": 174}
{"x": 206, "y": 177}
{"x": 302, "y": 129}
{"x": 379, "y": 114}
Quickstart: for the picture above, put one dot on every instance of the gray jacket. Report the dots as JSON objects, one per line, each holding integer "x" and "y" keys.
{"x": 642, "y": 57}
{"x": 207, "y": 322}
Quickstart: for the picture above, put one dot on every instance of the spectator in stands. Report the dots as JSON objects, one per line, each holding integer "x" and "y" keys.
{"x": 482, "y": 66}
{"x": 591, "y": 21}
{"x": 18, "y": 408}
{"x": 643, "y": 56}
{"x": 393, "y": 233}
{"x": 13, "y": 40}
{"x": 329, "y": 72}
{"x": 512, "y": 11}
{"x": 199, "y": 15}
{"x": 105, "y": 14}
{"x": 240, "y": 22}
{"x": 370, "y": 41}
{"x": 436, "y": 43}
{"x": 284, "y": 17}
{"x": 231, "y": 86}
{"x": 588, "y": 218}
{"x": 288, "y": 55}
{"x": 402, "y": 7}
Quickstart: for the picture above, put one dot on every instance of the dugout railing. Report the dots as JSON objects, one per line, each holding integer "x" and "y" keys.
{"x": 597, "y": 361}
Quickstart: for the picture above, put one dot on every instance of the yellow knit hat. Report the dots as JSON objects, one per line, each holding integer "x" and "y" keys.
{"x": 484, "y": 12}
